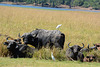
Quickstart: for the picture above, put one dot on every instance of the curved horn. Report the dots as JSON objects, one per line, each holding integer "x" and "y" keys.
{"x": 68, "y": 45}
{"x": 83, "y": 45}
{"x": 19, "y": 35}
{"x": 22, "y": 35}
{"x": 7, "y": 38}
{"x": 88, "y": 46}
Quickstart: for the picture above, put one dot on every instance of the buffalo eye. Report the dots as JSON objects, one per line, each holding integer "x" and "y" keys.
{"x": 6, "y": 43}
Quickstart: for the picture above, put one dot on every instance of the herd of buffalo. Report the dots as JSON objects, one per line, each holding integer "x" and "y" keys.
{"x": 42, "y": 38}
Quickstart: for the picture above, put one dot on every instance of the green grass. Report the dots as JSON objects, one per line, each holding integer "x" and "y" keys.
{"x": 27, "y": 62}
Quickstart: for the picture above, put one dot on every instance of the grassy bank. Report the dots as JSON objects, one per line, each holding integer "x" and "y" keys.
{"x": 21, "y": 62}
{"x": 78, "y": 27}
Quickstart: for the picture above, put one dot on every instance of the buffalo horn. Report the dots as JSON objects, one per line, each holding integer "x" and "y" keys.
{"x": 68, "y": 45}
{"x": 83, "y": 45}
{"x": 19, "y": 35}
{"x": 88, "y": 46}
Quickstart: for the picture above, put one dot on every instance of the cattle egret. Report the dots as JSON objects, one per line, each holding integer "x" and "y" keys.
{"x": 58, "y": 26}
{"x": 53, "y": 58}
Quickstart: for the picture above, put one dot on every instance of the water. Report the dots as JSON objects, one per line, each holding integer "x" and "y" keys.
{"x": 48, "y": 8}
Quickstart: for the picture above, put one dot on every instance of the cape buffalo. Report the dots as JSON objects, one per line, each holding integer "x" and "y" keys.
{"x": 73, "y": 52}
{"x": 19, "y": 50}
{"x": 42, "y": 37}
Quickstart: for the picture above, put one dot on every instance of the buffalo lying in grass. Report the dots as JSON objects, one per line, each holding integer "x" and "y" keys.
{"x": 19, "y": 50}
{"x": 73, "y": 52}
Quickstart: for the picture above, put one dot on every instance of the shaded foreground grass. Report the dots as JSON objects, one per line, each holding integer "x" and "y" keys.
{"x": 27, "y": 62}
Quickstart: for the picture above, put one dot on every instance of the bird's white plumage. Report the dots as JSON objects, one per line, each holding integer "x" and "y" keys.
{"x": 53, "y": 58}
{"x": 58, "y": 26}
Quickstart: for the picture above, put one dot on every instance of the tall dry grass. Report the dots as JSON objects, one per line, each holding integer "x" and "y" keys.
{"x": 78, "y": 27}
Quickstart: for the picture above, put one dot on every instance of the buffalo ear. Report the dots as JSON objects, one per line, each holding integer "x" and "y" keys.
{"x": 68, "y": 45}
{"x": 5, "y": 43}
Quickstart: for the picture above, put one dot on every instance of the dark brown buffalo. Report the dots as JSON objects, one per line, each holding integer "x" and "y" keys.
{"x": 73, "y": 52}
{"x": 19, "y": 50}
{"x": 41, "y": 37}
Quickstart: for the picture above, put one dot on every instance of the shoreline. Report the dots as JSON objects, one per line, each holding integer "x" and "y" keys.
{"x": 49, "y": 8}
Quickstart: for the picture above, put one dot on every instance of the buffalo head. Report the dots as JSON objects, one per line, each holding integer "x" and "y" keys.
{"x": 75, "y": 48}
{"x": 11, "y": 44}
{"x": 28, "y": 38}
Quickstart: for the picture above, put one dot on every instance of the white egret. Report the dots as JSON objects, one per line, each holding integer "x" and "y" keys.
{"x": 58, "y": 26}
{"x": 53, "y": 58}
